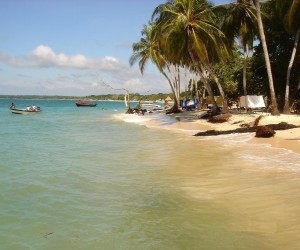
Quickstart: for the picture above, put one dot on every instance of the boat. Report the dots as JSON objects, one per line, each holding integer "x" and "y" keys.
{"x": 150, "y": 105}
{"x": 86, "y": 103}
{"x": 28, "y": 110}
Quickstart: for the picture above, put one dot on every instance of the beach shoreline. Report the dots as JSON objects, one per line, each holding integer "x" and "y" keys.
{"x": 287, "y": 139}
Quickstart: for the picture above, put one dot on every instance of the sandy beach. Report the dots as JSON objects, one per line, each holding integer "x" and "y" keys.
{"x": 288, "y": 139}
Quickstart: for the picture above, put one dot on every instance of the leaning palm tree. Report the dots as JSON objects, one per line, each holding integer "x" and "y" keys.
{"x": 266, "y": 55}
{"x": 191, "y": 37}
{"x": 148, "y": 48}
{"x": 289, "y": 11}
{"x": 239, "y": 22}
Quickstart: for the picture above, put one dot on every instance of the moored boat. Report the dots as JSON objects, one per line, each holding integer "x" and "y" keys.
{"x": 28, "y": 110}
{"x": 86, "y": 103}
{"x": 150, "y": 105}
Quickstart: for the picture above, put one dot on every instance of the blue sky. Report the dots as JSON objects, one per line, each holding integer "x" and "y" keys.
{"x": 68, "y": 47}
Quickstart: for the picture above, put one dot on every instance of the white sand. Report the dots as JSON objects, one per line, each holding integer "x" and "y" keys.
{"x": 289, "y": 139}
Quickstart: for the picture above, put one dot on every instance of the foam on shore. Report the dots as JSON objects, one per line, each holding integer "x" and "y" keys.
{"x": 160, "y": 121}
{"x": 277, "y": 153}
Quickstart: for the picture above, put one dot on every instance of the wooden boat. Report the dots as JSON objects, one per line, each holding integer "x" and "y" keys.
{"x": 29, "y": 110}
{"x": 86, "y": 103}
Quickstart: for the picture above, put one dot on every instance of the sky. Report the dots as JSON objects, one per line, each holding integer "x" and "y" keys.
{"x": 72, "y": 47}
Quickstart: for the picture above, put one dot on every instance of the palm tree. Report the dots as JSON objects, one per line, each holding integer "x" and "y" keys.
{"x": 191, "y": 36}
{"x": 148, "y": 48}
{"x": 266, "y": 54}
{"x": 239, "y": 22}
{"x": 289, "y": 11}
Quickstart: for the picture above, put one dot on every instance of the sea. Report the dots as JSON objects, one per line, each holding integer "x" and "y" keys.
{"x": 97, "y": 178}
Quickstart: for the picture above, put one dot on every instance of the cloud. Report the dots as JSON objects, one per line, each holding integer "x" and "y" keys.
{"x": 44, "y": 56}
{"x": 75, "y": 74}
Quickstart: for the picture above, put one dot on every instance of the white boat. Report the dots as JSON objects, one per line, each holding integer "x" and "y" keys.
{"x": 149, "y": 105}
{"x": 26, "y": 111}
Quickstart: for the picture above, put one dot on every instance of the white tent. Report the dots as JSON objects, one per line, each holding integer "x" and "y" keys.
{"x": 252, "y": 101}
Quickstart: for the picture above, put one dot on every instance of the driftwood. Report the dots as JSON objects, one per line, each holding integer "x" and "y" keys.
{"x": 138, "y": 111}
{"x": 279, "y": 126}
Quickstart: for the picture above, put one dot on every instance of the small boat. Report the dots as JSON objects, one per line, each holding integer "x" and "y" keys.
{"x": 149, "y": 105}
{"x": 29, "y": 110}
{"x": 86, "y": 103}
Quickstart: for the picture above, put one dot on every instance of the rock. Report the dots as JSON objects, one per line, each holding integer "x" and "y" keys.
{"x": 265, "y": 132}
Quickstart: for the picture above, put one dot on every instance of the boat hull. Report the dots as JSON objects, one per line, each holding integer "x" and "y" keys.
{"x": 151, "y": 106}
{"x": 24, "y": 111}
{"x": 86, "y": 105}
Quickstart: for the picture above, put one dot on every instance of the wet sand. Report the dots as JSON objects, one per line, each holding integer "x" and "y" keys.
{"x": 239, "y": 183}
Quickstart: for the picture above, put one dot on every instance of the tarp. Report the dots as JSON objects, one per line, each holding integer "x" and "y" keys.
{"x": 189, "y": 103}
{"x": 253, "y": 101}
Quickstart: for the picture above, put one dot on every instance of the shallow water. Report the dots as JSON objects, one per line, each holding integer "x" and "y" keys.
{"x": 94, "y": 178}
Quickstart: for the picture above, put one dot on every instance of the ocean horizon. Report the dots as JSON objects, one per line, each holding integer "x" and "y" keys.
{"x": 97, "y": 178}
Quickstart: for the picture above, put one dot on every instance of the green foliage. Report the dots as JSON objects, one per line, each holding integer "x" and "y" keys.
{"x": 280, "y": 45}
{"x": 289, "y": 12}
{"x": 230, "y": 75}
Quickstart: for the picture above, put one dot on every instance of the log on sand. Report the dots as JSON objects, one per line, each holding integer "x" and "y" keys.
{"x": 279, "y": 126}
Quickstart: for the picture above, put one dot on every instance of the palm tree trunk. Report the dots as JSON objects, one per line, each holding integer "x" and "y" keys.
{"x": 175, "y": 74}
{"x": 225, "y": 106}
{"x": 206, "y": 83}
{"x": 267, "y": 59}
{"x": 191, "y": 89}
{"x": 173, "y": 86}
{"x": 196, "y": 89}
{"x": 245, "y": 72}
{"x": 178, "y": 84}
{"x": 185, "y": 82}
{"x": 176, "y": 101}
{"x": 245, "y": 75}
{"x": 286, "y": 109}
{"x": 209, "y": 90}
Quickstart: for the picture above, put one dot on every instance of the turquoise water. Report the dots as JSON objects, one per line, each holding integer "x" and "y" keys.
{"x": 86, "y": 178}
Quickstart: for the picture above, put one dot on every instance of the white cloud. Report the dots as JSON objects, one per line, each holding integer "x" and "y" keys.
{"x": 75, "y": 74}
{"x": 43, "y": 52}
{"x": 44, "y": 56}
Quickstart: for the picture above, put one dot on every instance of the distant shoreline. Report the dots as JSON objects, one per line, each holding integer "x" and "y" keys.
{"x": 134, "y": 97}
{"x": 61, "y": 99}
